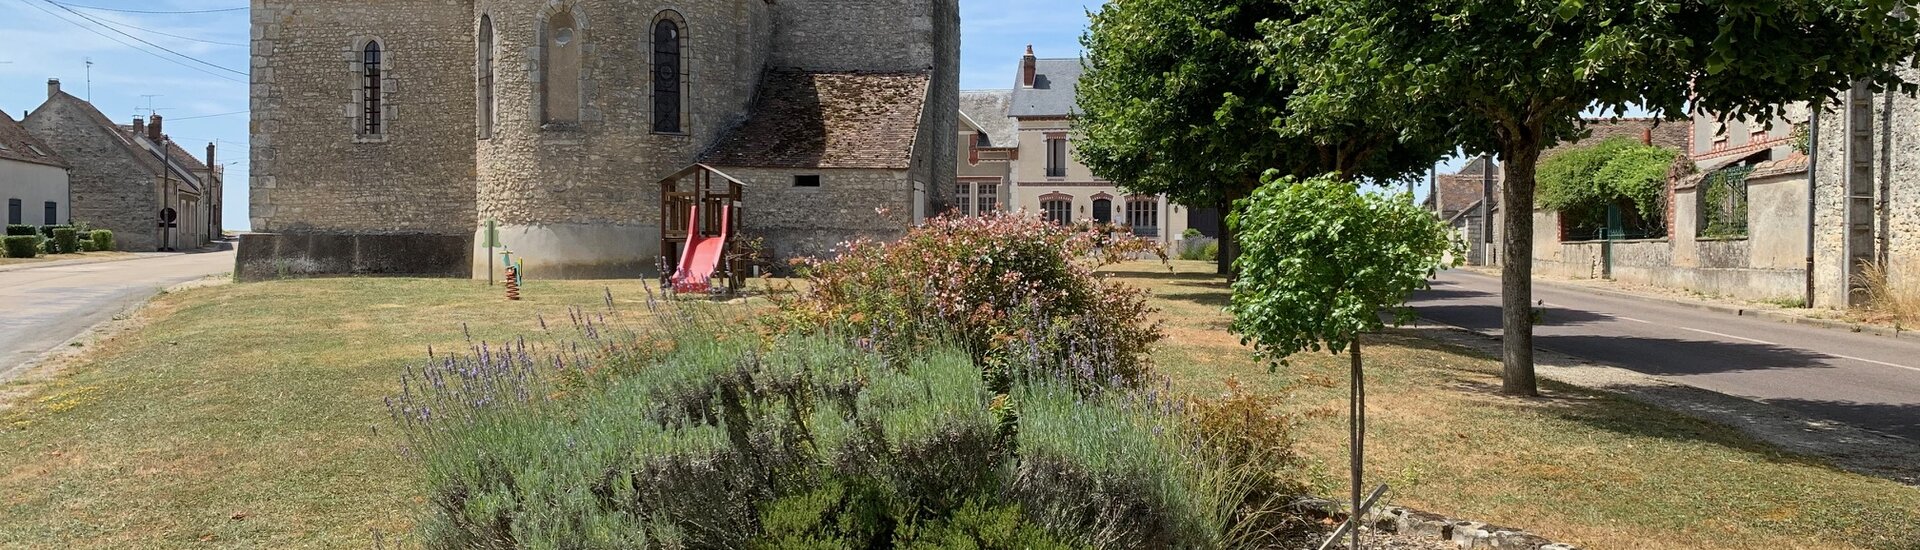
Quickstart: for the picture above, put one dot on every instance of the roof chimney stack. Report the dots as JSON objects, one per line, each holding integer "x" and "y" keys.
{"x": 53, "y": 87}
{"x": 1027, "y": 68}
{"x": 210, "y": 163}
{"x": 1646, "y": 137}
{"x": 139, "y": 126}
{"x": 153, "y": 129}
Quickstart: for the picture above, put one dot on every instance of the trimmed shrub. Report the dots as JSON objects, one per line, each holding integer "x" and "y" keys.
{"x": 14, "y": 230}
{"x": 22, "y": 246}
{"x": 1016, "y": 292}
{"x": 102, "y": 240}
{"x": 1199, "y": 248}
{"x": 66, "y": 239}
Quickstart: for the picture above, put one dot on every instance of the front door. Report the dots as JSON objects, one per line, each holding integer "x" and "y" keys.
{"x": 1102, "y": 211}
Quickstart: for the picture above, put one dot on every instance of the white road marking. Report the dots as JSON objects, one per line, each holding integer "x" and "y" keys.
{"x": 1745, "y": 339}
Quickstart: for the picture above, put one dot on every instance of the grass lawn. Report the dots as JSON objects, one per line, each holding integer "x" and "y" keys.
{"x": 244, "y": 416}
{"x": 1575, "y": 466}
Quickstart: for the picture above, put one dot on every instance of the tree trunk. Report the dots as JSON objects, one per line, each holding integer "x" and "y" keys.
{"x": 1358, "y": 425}
{"x": 1516, "y": 272}
{"x": 1224, "y": 259}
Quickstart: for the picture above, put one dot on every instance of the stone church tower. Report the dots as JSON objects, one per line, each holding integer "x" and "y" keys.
{"x": 388, "y": 134}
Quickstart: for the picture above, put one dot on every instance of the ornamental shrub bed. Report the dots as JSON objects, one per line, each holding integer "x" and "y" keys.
{"x": 704, "y": 429}
{"x": 14, "y": 230}
{"x": 1014, "y": 291}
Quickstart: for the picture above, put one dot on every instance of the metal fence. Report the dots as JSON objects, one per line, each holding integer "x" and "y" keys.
{"x": 1723, "y": 203}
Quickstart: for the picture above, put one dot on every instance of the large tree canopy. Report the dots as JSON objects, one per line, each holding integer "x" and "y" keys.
{"x": 1519, "y": 73}
{"x": 1176, "y": 100}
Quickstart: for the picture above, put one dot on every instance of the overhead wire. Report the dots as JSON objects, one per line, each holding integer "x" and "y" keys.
{"x": 169, "y": 12}
{"x": 50, "y": 13}
{"x": 144, "y": 41}
{"x": 169, "y": 35}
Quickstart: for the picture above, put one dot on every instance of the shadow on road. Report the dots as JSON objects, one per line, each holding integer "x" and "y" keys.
{"x": 1900, "y": 420}
{"x": 1487, "y": 317}
{"x": 1669, "y": 357}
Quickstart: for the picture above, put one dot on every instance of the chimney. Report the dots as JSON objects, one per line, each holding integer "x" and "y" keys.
{"x": 1646, "y": 137}
{"x": 153, "y": 129}
{"x": 210, "y": 163}
{"x": 139, "y": 126}
{"x": 53, "y": 87}
{"x": 1027, "y": 68}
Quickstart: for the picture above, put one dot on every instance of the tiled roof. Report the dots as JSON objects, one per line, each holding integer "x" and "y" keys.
{"x": 173, "y": 148}
{"x": 1052, "y": 94}
{"x": 988, "y": 109}
{"x": 17, "y": 144}
{"x": 828, "y": 120}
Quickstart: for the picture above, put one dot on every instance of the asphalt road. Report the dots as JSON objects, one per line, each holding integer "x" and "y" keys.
{"x": 43, "y": 307}
{"x": 1867, "y": 381}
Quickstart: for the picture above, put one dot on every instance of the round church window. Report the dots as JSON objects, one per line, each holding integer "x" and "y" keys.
{"x": 563, "y": 37}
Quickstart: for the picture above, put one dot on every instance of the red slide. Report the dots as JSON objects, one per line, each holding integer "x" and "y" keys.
{"x": 702, "y": 254}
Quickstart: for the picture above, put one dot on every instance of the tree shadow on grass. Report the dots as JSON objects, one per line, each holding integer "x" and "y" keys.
{"x": 1162, "y": 275}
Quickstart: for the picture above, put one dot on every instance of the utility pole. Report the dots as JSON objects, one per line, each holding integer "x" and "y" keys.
{"x": 1486, "y": 209}
{"x": 89, "y": 80}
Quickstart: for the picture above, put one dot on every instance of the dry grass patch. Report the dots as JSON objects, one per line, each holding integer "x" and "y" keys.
{"x": 245, "y": 415}
{"x": 1577, "y": 466}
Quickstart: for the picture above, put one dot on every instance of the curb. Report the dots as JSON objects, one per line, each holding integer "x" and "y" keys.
{"x": 1770, "y": 315}
{"x": 64, "y": 263}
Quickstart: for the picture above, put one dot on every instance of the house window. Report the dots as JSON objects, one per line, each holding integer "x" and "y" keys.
{"x": 370, "y": 89}
{"x": 980, "y": 139}
{"x": 1103, "y": 211}
{"x": 560, "y": 74}
{"x": 1058, "y": 211}
{"x": 1143, "y": 215}
{"x": 484, "y": 98}
{"x": 989, "y": 198}
{"x": 1056, "y": 157}
{"x": 806, "y": 181}
{"x": 53, "y": 213}
{"x": 963, "y": 198}
{"x": 668, "y": 75}
{"x": 13, "y": 211}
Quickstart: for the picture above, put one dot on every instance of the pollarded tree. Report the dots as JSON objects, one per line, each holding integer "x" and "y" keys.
{"x": 1519, "y": 73}
{"x": 1322, "y": 261}
{"x": 1176, "y": 100}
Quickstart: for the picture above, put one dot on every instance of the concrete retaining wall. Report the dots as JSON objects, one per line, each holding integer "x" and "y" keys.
{"x": 266, "y": 256}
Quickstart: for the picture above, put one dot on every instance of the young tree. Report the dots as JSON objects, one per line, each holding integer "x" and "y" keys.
{"x": 1322, "y": 261}
{"x": 1518, "y": 75}
{"x": 1177, "y": 101}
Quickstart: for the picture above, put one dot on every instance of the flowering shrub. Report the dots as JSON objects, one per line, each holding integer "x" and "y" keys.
{"x": 1017, "y": 293}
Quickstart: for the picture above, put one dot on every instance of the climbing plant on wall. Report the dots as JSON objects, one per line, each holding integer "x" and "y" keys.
{"x": 1582, "y": 183}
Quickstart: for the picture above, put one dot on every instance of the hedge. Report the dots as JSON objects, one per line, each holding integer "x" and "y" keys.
{"x": 102, "y": 240}
{"x": 65, "y": 239}
{"x": 22, "y": 246}
{"x": 22, "y": 230}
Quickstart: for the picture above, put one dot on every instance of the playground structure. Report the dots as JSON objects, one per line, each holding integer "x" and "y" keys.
{"x": 699, "y": 218}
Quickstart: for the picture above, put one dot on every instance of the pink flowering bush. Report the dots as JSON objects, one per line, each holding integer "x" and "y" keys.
{"x": 1018, "y": 293}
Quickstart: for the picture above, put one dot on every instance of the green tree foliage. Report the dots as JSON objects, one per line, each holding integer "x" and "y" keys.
{"x": 1177, "y": 100}
{"x": 1616, "y": 171}
{"x": 1323, "y": 259}
{"x": 1518, "y": 75}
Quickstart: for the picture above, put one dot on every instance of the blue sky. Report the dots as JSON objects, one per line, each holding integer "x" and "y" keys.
{"x": 204, "y": 101}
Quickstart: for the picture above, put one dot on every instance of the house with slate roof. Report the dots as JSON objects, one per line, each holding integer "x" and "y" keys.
{"x": 130, "y": 179}
{"x": 1030, "y": 129}
{"x": 33, "y": 178}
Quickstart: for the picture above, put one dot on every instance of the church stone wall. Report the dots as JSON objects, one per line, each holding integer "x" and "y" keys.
{"x": 580, "y": 200}
{"x": 310, "y": 172}
{"x": 813, "y": 221}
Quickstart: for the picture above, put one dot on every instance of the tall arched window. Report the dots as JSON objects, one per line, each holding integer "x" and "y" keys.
{"x": 561, "y": 73}
{"x": 668, "y": 75}
{"x": 370, "y": 119}
{"x": 484, "y": 89}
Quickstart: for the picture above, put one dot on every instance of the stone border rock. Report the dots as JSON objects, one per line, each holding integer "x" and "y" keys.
{"x": 1464, "y": 534}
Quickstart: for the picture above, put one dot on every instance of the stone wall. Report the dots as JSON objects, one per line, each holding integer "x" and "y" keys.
{"x": 111, "y": 190}
{"x": 311, "y": 171}
{"x": 580, "y": 199}
{"x": 1889, "y": 224}
{"x": 812, "y": 221}
{"x": 865, "y": 35}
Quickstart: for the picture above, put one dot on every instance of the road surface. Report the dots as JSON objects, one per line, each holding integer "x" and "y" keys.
{"x": 43, "y": 307}
{"x": 1867, "y": 381}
